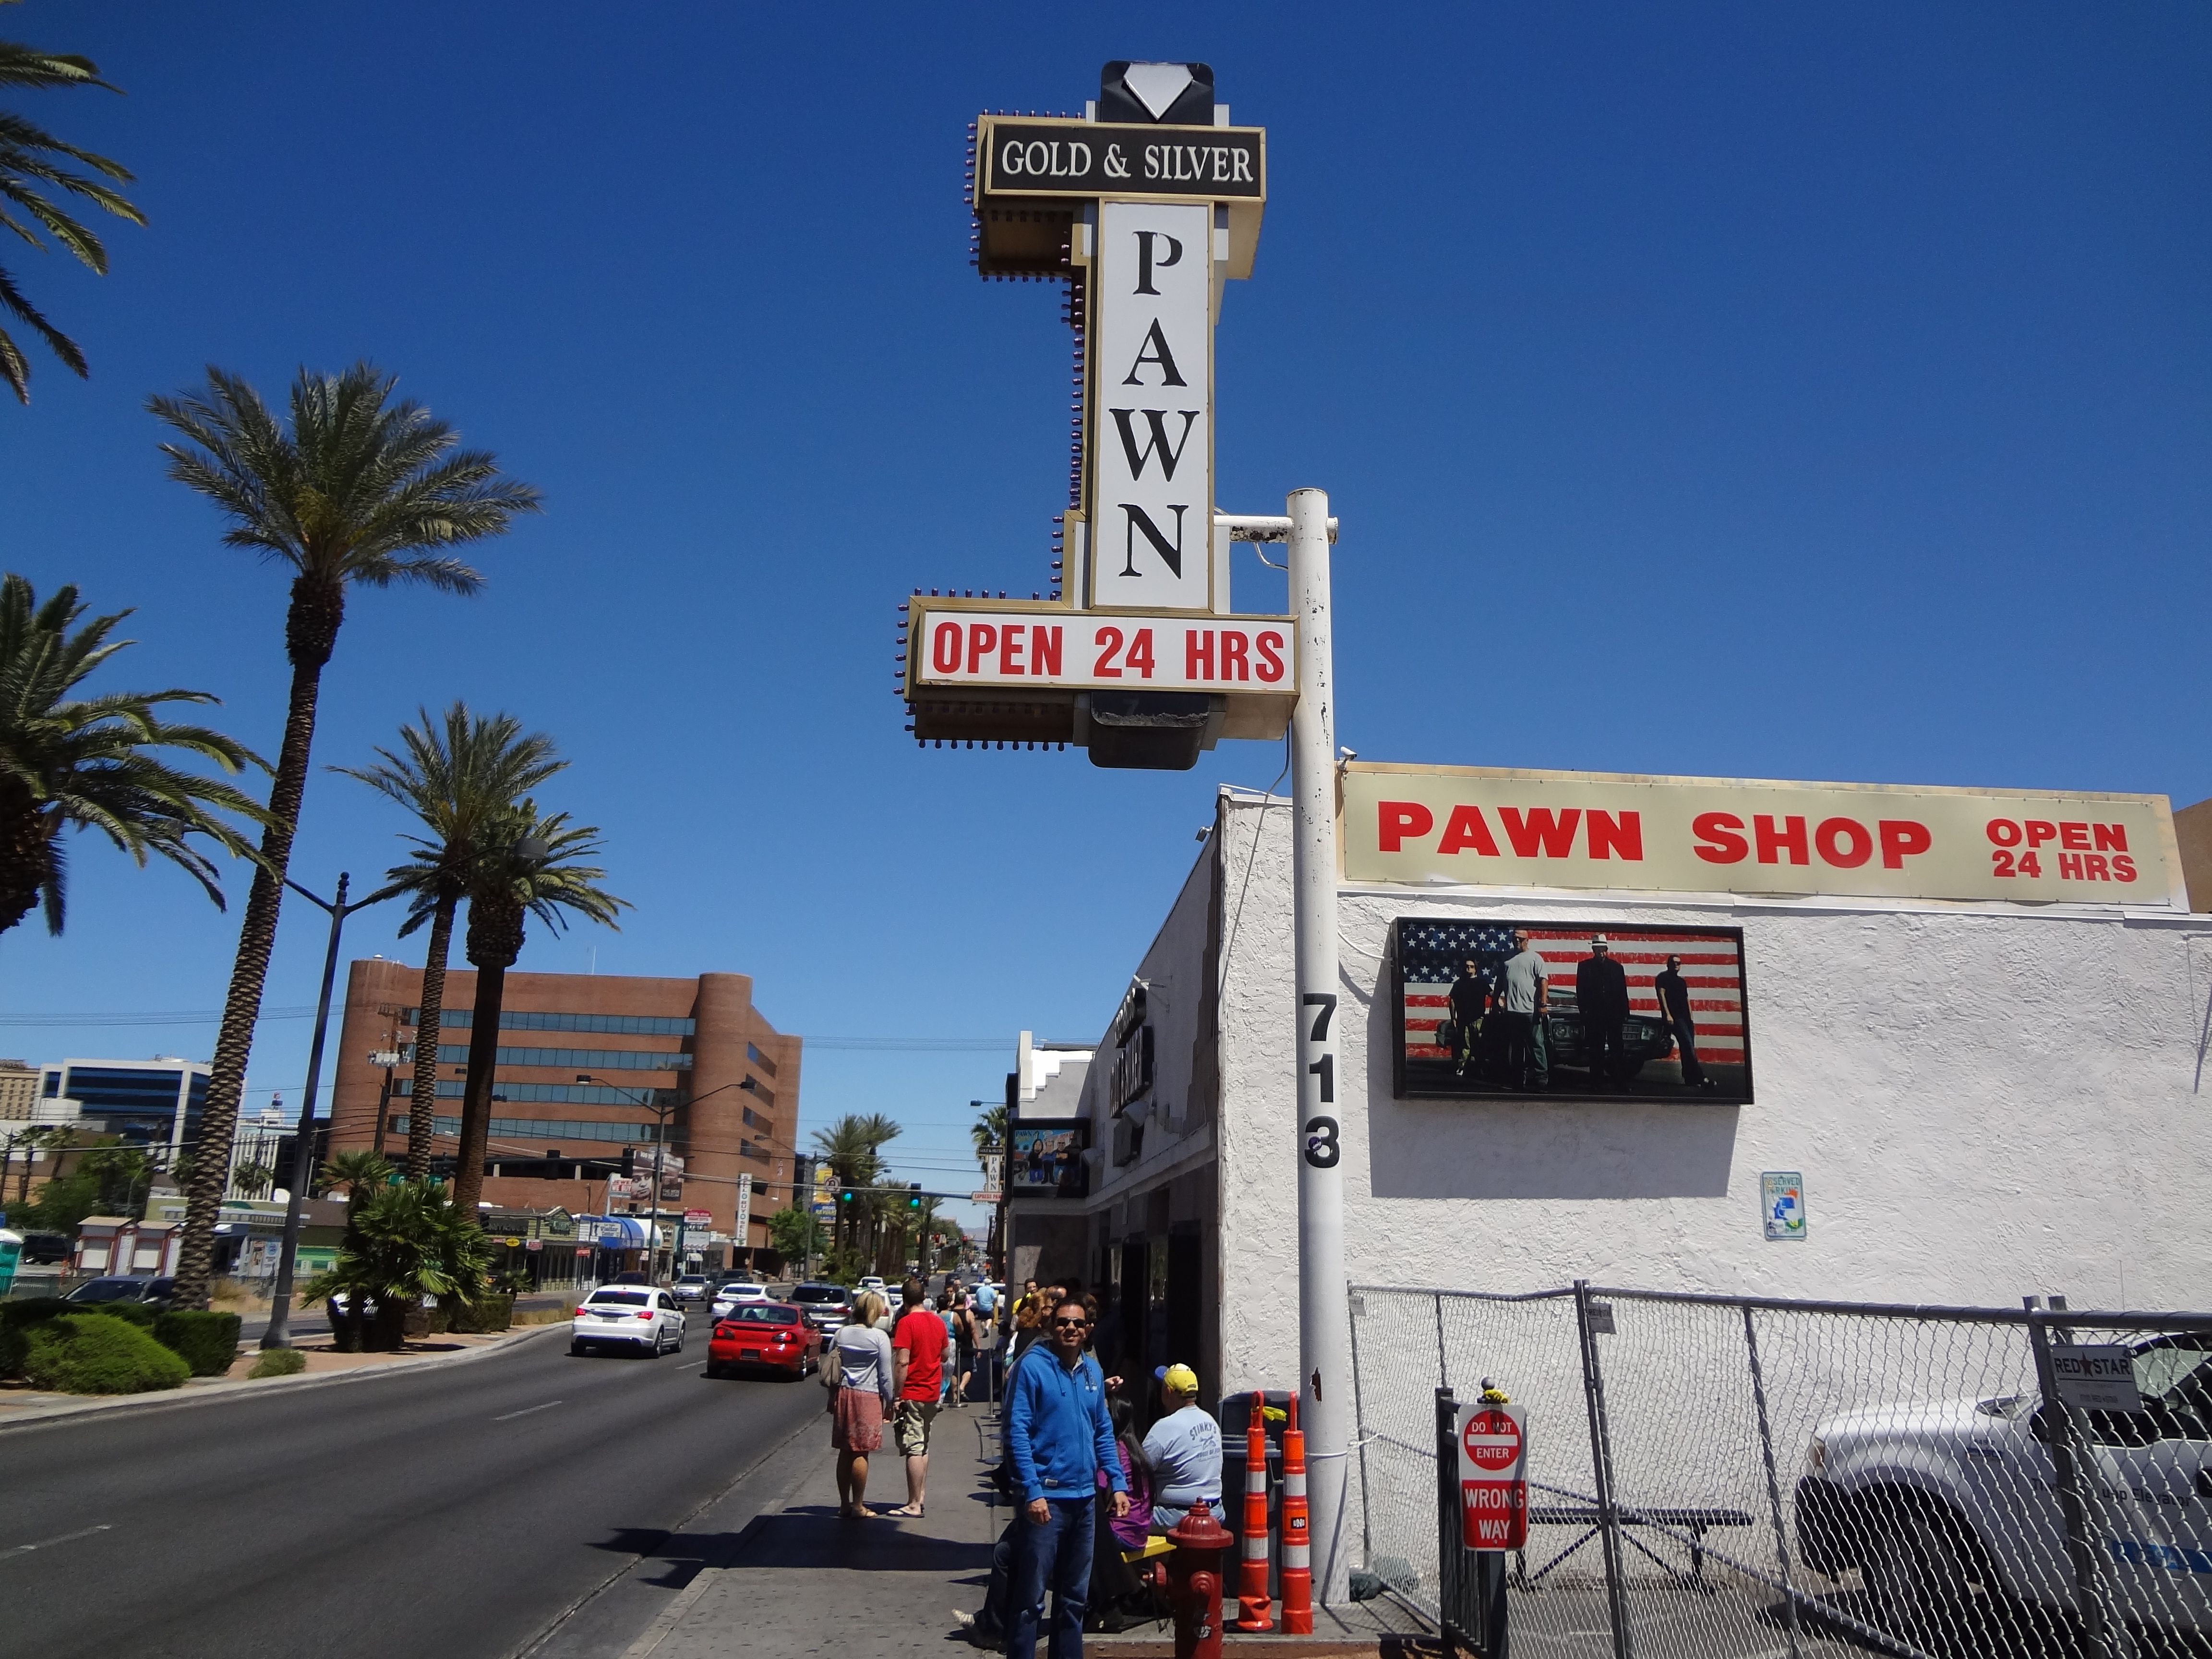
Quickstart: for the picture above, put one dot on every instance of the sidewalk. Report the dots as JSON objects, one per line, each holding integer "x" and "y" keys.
{"x": 802, "y": 1582}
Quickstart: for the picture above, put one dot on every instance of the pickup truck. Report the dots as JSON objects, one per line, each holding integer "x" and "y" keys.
{"x": 1949, "y": 1510}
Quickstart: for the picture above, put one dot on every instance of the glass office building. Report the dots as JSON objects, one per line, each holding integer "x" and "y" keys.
{"x": 145, "y": 1101}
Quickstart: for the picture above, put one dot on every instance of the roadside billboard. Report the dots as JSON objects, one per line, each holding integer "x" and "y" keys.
{"x": 1496, "y": 826}
{"x": 1495, "y": 1007}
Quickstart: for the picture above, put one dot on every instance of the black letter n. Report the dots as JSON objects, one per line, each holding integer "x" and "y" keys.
{"x": 1170, "y": 552}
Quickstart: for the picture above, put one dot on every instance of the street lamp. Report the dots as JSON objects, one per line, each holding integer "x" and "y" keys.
{"x": 279, "y": 1334}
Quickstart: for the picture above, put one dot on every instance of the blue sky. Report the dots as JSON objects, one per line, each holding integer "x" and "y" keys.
{"x": 1733, "y": 389}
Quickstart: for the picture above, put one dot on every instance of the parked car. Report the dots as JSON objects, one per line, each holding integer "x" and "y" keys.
{"x": 155, "y": 1292}
{"x": 45, "y": 1249}
{"x": 824, "y": 1307}
{"x": 632, "y": 1276}
{"x": 632, "y": 1316}
{"x": 690, "y": 1287}
{"x": 1931, "y": 1500}
{"x": 731, "y": 1295}
{"x": 775, "y": 1335}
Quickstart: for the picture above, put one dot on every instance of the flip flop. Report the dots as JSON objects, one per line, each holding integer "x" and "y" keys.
{"x": 906, "y": 1510}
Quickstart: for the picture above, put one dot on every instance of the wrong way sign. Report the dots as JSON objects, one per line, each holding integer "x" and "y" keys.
{"x": 1493, "y": 1446}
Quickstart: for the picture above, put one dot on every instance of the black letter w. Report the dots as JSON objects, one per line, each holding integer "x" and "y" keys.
{"x": 1155, "y": 419}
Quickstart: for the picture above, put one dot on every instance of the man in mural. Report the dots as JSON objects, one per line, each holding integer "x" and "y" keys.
{"x": 1524, "y": 993}
{"x": 1602, "y": 999}
{"x": 1674, "y": 993}
{"x": 1470, "y": 1000}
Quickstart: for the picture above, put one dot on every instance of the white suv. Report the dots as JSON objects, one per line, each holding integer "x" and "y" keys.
{"x": 633, "y": 1316}
{"x": 1930, "y": 1501}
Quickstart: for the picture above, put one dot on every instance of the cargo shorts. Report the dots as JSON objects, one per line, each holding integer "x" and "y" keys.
{"x": 911, "y": 1426}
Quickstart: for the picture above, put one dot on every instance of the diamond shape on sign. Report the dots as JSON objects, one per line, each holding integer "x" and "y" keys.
{"x": 1157, "y": 86}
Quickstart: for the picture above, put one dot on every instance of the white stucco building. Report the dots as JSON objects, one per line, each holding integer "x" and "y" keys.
{"x": 1984, "y": 1096}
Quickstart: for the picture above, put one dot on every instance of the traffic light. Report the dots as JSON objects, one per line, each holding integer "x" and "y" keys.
{"x": 845, "y": 1194}
{"x": 913, "y": 1194}
{"x": 629, "y": 1162}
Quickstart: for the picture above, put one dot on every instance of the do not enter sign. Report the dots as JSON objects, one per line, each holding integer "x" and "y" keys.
{"x": 1493, "y": 1481}
{"x": 1490, "y": 1443}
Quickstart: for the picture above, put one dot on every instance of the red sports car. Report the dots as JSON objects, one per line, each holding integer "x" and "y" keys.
{"x": 771, "y": 1333}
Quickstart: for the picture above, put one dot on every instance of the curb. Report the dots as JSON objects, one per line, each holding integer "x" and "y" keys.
{"x": 38, "y": 1415}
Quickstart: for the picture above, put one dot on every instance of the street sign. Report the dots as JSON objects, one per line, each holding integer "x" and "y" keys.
{"x": 1494, "y": 1482}
{"x": 2100, "y": 1377}
{"x": 987, "y": 1195}
{"x": 1782, "y": 1203}
{"x": 698, "y": 1218}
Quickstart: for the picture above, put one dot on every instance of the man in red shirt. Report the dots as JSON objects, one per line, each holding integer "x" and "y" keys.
{"x": 918, "y": 1367}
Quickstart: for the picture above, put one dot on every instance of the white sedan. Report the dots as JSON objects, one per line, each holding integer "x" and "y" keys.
{"x": 736, "y": 1295}
{"x": 638, "y": 1317}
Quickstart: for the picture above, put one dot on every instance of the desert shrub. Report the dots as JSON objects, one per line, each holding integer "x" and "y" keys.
{"x": 279, "y": 1362}
{"x": 16, "y": 1319}
{"x": 140, "y": 1314}
{"x": 91, "y": 1353}
{"x": 207, "y": 1342}
{"x": 487, "y": 1312}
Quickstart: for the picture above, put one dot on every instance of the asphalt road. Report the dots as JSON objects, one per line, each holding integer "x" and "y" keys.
{"x": 462, "y": 1509}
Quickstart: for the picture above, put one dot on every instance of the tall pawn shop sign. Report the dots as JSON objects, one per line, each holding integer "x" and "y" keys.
{"x": 1144, "y": 207}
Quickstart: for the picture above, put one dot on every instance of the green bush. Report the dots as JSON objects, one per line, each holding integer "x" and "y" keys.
{"x": 16, "y": 1319}
{"x": 138, "y": 1313}
{"x": 90, "y": 1353}
{"x": 487, "y": 1313}
{"x": 207, "y": 1342}
{"x": 279, "y": 1362}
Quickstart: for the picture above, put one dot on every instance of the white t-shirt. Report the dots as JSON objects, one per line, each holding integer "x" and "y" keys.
{"x": 1184, "y": 1449}
{"x": 1522, "y": 975}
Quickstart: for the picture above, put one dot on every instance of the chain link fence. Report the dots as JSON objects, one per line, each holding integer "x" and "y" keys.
{"x": 1714, "y": 1476}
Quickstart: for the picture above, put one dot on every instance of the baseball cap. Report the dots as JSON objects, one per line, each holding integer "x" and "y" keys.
{"x": 1180, "y": 1378}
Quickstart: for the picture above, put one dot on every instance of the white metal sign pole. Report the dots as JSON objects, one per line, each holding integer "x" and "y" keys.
{"x": 1324, "y": 1329}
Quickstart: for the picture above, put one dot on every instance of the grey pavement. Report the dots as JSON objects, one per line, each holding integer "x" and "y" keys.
{"x": 474, "y": 1510}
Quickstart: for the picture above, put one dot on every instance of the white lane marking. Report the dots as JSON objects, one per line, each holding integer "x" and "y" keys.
{"x": 692, "y": 1368}
{"x": 526, "y": 1410}
{"x": 66, "y": 1538}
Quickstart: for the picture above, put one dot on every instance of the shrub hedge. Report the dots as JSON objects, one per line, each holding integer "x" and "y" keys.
{"x": 92, "y": 1353}
{"x": 207, "y": 1342}
{"x": 279, "y": 1362}
{"x": 489, "y": 1312}
{"x": 16, "y": 1319}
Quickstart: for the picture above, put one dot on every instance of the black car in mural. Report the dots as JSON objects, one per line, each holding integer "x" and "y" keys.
{"x": 1642, "y": 1040}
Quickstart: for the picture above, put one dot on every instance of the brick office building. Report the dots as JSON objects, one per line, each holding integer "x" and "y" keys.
{"x": 698, "y": 1045}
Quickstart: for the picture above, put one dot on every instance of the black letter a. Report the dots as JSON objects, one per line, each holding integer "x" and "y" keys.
{"x": 1155, "y": 351}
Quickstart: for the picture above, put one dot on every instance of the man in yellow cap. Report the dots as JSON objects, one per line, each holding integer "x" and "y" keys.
{"x": 1184, "y": 1449}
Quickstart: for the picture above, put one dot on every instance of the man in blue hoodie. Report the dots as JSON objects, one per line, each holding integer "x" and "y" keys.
{"x": 1059, "y": 1437}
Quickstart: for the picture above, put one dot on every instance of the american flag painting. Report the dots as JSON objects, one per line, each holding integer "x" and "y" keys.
{"x": 1496, "y": 1053}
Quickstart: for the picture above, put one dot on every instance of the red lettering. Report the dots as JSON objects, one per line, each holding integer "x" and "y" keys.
{"x": 1543, "y": 836}
{"x": 2111, "y": 837}
{"x": 2070, "y": 866}
{"x": 2123, "y": 868}
{"x": 2004, "y": 832}
{"x": 1397, "y": 819}
{"x": 1044, "y": 650}
{"x": 1010, "y": 641}
{"x": 1271, "y": 660}
{"x": 1466, "y": 827}
{"x": 981, "y": 637}
{"x": 1844, "y": 842}
{"x": 1140, "y": 652}
{"x": 1234, "y": 645}
{"x": 1718, "y": 840}
{"x": 1790, "y": 839}
{"x": 945, "y": 647}
{"x": 1109, "y": 642}
{"x": 1608, "y": 835}
{"x": 2039, "y": 832}
{"x": 2002, "y": 859}
{"x": 1198, "y": 655}
{"x": 2094, "y": 866}
{"x": 1900, "y": 839}
{"x": 2075, "y": 835}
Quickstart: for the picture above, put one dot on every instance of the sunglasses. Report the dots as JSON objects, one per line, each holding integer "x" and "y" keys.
{"x": 1071, "y": 1324}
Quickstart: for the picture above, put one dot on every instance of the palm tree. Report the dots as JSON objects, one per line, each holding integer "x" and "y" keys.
{"x": 525, "y": 866}
{"x": 989, "y": 1131}
{"x": 360, "y": 490}
{"x": 77, "y": 763}
{"x": 31, "y": 156}
{"x": 852, "y": 1148}
{"x": 253, "y": 1179}
{"x": 458, "y": 782}
{"x": 360, "y": 1172}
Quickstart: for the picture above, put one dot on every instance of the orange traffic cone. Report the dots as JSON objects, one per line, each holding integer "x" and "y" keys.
{"x": 1253, "y": 1601}
{"x": 1297, "y": 1546}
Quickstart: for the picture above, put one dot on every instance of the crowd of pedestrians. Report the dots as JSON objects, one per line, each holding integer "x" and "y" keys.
{"x": 1088, "y": 1488}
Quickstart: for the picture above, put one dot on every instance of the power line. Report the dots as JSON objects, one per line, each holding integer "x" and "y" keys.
{"x": 214, "y": 1016}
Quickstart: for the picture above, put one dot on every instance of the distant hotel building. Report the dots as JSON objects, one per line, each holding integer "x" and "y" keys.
{"x": 697, "y": 1045}
{"x": 146, "y": 1102}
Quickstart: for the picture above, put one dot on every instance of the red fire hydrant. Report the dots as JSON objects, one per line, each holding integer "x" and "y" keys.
{"x": 1194, "y": 1581}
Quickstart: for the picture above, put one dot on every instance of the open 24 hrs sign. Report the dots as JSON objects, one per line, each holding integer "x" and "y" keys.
{"x": 1044, "y": 646}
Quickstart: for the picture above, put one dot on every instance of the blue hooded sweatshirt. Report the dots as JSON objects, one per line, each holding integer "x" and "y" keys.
{"x": 1058, "y": 1432}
